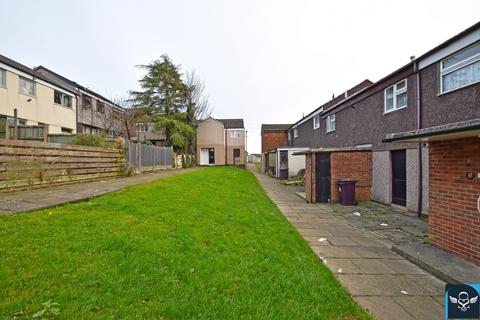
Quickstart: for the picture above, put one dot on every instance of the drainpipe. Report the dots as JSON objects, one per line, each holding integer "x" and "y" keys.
{"x": 226, "y": 149}
{"x": 419, "y": 126}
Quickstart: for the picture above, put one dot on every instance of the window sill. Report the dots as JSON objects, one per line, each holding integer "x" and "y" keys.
{"x": 28, "y": 95}
{"x": 61, "y": 105}
{"x": 330, "y": 131}
{"x": 397, "y": 109}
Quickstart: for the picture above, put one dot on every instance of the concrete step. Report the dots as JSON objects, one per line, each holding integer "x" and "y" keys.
{"x": 445, "y": 266}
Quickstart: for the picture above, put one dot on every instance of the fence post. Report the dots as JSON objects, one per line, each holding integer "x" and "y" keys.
{"x": 154, "y": 151}
{"x": 15, "y": 125}
{"x": 45, "y": 132}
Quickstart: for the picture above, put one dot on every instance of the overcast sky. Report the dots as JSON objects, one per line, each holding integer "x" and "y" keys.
{"x": 267, "y": 61}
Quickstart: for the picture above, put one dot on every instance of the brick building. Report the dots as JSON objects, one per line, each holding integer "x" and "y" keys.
{"x": 273, "y": 136}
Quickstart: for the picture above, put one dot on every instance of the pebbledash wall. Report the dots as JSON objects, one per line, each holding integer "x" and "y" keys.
{"x": 454, "y": 219}
{"x": 352, "y": 165}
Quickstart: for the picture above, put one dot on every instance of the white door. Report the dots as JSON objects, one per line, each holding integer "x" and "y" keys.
{"x": 204, "y": 157}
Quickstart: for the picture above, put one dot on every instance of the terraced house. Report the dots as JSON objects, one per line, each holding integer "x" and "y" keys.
{"x": 410, "y": 139}
{"x": 95, "y": 113}
{"x": 42, "y": 105}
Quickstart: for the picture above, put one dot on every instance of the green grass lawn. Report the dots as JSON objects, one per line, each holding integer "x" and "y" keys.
{"x": 204, "y": 245}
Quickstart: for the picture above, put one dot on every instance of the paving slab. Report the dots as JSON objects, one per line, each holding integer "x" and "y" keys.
{"x": 384, "y": 308}
{"x": 379, "y": 279}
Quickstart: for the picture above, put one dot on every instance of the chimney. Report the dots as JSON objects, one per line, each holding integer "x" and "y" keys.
{"x": 333, "y": 96}
{"x": 412, "y": 58}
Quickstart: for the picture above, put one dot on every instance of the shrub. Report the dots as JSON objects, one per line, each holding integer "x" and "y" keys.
{"x": 92, "y": 140}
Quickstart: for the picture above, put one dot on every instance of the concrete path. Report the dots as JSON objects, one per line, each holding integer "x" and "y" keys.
{"x": 380, "y": 280}
{"x": 29, "y": 200}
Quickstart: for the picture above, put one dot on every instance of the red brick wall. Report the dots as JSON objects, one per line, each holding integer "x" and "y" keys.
{"x": 352, "y": 166}
{"x": 273, "y": 139}
{"x": 344, "y": 165}
{"x": 454, "y": 221}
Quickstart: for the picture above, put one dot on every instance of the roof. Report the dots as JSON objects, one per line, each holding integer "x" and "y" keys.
{"x": 32, "y": 72}
{"x": 457, "y": 130}
{"x": 411, "y": 65}
{"x": 449, "y": 41}
{"x": 337, "y": 100}
{"x": 275, "y": 127}
{"x": 232, "y": 123}
{"x": 46, "y": 72}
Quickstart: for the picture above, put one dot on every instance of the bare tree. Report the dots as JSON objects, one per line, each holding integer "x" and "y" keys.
{"x": 129, "y": 118}
{"x": 198, "y": 105}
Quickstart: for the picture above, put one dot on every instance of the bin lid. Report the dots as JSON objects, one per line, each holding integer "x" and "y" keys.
{"x": 345, "y": 181}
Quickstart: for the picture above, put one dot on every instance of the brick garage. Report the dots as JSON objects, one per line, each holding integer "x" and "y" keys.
{"x": 352, "y": 166}
{"x": 348, "y": 165}
{"x": 454, "y": 220}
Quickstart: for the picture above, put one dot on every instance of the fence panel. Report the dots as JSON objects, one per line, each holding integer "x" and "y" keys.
{"x": 25, "y": 164}
{"x": 144, "y": 157}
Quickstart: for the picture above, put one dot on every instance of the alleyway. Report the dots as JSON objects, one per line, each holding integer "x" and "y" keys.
{"x": 389, "y": 286}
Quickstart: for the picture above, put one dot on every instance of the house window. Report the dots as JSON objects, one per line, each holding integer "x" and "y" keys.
{"x": 86, "y": 101}
{"x": 289, "y": 135}
{"x": 316, "y": 122}
{"x": 62, "y": 99}
{"x": 27, "y": 86}
{"x": 144, "y": 127}
{"x": 100, "y": 107}
{"x": 295, "y": 133}
{"x": 235, "y": 134}
{"x": 460, "y": 69}
{"x": 3, "y": 76}
{"x": 396, "y": 96}
{"x": 331, "y": 126}
{"x": 66, "y": 130}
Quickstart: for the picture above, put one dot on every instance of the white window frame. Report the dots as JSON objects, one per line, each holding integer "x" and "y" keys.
{"x": 396, "y": 92}
{"x": 235, "y": 134}
{"x": 4, "y": 77}
{"x": 316, "y": 121}
{"x": 20, "y": 78}
{"x": 331, "y": 123}
{"x": 289, "y": 134}
{"x": 144, "y": 127}
{"x": 457, "y": 66}
{"x": 63, "y": 99}
{"x": 295, "y": 133}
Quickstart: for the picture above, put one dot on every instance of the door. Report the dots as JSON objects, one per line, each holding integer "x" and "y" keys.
{"x": 399, "y": 177}
{"x": 322, "y": 168}
{"x": 236, "y": 156}
{"x": 204, "y": 157}
{"x": 211, "y": 156}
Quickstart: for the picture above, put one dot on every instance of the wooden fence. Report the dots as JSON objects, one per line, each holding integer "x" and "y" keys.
{"x": 26, "y": 164}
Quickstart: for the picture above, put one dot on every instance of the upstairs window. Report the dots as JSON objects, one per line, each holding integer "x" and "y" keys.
{"x": 295, "y": 133}
{"x": 460, "y": 69}
{"x": 331, "y": 126}
{"x": 235, "y": 134}
{"x": 396, "y": 96}
{"x": 289, "y": 135}
{"x": 27, "y": 86}
{"x": 3, "y": 77}
{"x": 86, "y": 101}
{"x": 100, "y": 107}
{"x": 62, "y": 99}
{"x": 316, "y": 122}
{"x": 144, "y": 127}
